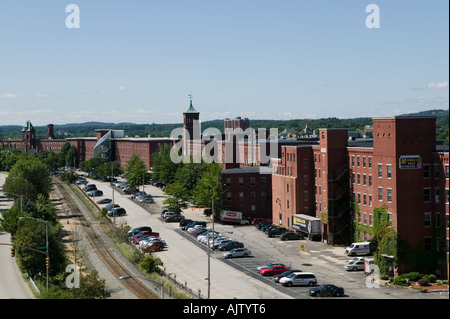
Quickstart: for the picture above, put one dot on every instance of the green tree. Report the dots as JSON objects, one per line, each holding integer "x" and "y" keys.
{"x": 34, "y": 171}
{"x": 210, "y": 187}
{"x": 136, "y": 171}
{"x": 178, "y": 198}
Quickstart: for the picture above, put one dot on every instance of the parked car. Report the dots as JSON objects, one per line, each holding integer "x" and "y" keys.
{"x": 256, "y": 221}
{"x": 354, "y": 265}
{"x": 117, "y": 211}
{"x": 299, "y": 279}
{"x": 194, "y": 223}
{"x": 185, "y": 222}
{"x": 147, "y": 200}
{"x": 326, "y": 291}
{"x": 290, "y": 235}
{"x": 273, "y": 270}
{"x": 96, "y": 192}
{"x": 138, "y": 194}
{"x": 277, "y": 278}
{"x": 230, "y": 245}
{"x": 268, "y": 265}
{"x": 136, "y": 230}
{"x": 89, "y": 187}
{"x": 104, "y": 201}
{"x": 173, "y": 217}
{"x": 237, "y": 252}
{"x": 81, "y": 181}
{"x": 153, "y": 246}
{"x": 111, "y": 206}
{"x": 129, "y": 190}
{"x": 275, "y": 231}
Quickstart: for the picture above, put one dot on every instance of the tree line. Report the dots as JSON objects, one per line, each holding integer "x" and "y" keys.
{"x": 29, "y": 184}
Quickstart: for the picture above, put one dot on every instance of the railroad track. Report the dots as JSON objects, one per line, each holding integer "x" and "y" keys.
{"x": 110, "y": 261}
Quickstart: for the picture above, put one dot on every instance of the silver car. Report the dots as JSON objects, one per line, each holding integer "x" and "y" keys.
{"x": 237, "y": 252}
{"x": 354, "y": 265}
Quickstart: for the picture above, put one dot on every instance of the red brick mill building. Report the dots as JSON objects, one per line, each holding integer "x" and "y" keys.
{"x": 402, "y": 168}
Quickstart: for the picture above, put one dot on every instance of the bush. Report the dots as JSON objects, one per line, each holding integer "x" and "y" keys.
{"x": 423, "y": 282}
{"x": 400, "y": 280}
{"x": 150, "y": 264}
{"x": 414, "y": 276}
{"x": 432, "y": 278}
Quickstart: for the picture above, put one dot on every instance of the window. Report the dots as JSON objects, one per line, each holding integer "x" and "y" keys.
{"x": 389, "y": 195}
{"x": 389, "y": 172}
{"x": 364, "y": 161}
{"x": 263, "y": 181}
{"x": 427, "y": 219}
{"x": 380, "y": 170}
{"x": 353, "y": 160}
{"x": 287, "y": 204}
{"x": 228, "y": 181}
{"x": 370, "y": 200}
{"x": 427, "y": 195}
{"x": 357, "y": 161}
{"x": 241, "y": 196}
{"x": 446, "y": 171}
{"x": 426, "y": 170}
{"x": 436, "y": 194}
{"x": 370, "y": 161}
{"x": 370, "y": 180}
{"x": 359, "y": 179}
{"x": 228, "y": 196}
{"x": 365, "y": 199}
{"x": 446, "y": 195}
{"x": 252, "y": 196}
{"x": 380, "y": 194}
{"x": 364, "y": 179}
{"x": 252, "y": 181}
{"x": 436, "y": 170}
{"x": 287, "y": 188}
{"x": 263, "y": 196}
{"x": 241, "y": 181}
{"x": 437, "y": 219}
{"x": 305, "y": 196}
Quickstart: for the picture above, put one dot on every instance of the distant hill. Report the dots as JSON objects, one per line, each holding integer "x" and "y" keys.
{"x": 162, "y": 130}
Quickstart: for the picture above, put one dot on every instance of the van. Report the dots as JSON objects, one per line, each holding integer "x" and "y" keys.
{"x": 299, "y": 279}
{"x": 358, "y": 249}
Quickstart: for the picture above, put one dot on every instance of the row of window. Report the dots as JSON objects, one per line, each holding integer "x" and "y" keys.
{"x": 262, "y": 181}
{"x": 427, "y": 196}
{"x": 252, "y": 196}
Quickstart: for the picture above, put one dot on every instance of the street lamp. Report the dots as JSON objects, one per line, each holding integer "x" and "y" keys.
{"x": 46, "y": 241}
{"x": 155, "y": 282}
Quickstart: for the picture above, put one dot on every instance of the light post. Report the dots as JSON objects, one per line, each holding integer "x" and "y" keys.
{"x": 155, "y": 282}
{"x": 46, "y": 241}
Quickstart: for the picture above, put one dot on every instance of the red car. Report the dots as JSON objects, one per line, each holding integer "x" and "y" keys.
{"x": 273, "y": 270}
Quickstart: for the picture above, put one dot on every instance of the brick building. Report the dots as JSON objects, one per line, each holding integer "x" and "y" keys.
{"x": 402, "y": 169}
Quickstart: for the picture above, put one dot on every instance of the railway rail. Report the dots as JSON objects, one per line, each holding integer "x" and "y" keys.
{"x": 97, "y": 243}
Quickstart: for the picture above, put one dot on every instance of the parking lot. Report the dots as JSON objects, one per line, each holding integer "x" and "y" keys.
{"x": 187, "y": 259}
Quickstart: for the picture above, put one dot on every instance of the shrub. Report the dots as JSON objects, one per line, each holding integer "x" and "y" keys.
{"x": 423, "y": 282}
{"x": 400, "y": 281}
{"x": 414, "y": 276}
{"x": 431, "y": 278}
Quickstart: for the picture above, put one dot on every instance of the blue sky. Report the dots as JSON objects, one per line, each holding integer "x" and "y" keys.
{"x": 137, "y": 60}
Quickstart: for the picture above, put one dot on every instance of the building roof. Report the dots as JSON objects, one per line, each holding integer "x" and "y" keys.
{"x": 191, "y": 109}
{"x": 249, "y": 169}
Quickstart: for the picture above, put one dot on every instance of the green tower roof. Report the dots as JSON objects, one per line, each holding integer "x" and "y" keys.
{"x": 191, "y": 109}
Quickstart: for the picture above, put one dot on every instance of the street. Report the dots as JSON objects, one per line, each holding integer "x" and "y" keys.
{"x": 12, "y": 285}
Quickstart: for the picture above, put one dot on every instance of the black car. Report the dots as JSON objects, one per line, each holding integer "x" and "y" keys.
{"x": 275, "y": 231}
{"x": 184, "y": 222}
{"x": 118, "y": 211}
{"x": 95, "y": 192}
{"x": 231, "y": 245}
{"x": 90, "y": 187}
{"x": 291, "y": 236}
{"x": 326, "y": 291}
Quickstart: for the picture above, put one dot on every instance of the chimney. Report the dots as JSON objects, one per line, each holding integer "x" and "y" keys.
{"x": 50, "y": 131}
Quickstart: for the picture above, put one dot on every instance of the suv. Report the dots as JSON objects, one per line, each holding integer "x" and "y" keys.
{"x": 299, "y": 279}
{"x": 118, "y": 211}
{"x": 173, "y": 217}
{"x": 90, "y": 187}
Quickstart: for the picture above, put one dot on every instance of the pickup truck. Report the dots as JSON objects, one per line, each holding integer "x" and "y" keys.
{"x": 275, "y": 231}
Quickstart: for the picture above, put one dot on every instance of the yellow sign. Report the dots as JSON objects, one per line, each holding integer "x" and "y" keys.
{"x": 302, "y": 246}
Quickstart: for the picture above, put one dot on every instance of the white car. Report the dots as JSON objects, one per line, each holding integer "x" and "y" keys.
{"x": 237, "y": 252}
{"x": 299, "y": 279}
{"x": 355, "y": 265}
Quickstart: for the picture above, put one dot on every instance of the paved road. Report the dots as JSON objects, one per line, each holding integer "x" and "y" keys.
{"x": 238, "y": 278}
{"x": 12, "y": 285}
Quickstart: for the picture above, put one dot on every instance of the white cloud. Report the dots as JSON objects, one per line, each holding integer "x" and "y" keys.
{"x": 122, "y": 88}
{"x": 440, "y": 85}
{"x": 9, "y": 96}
